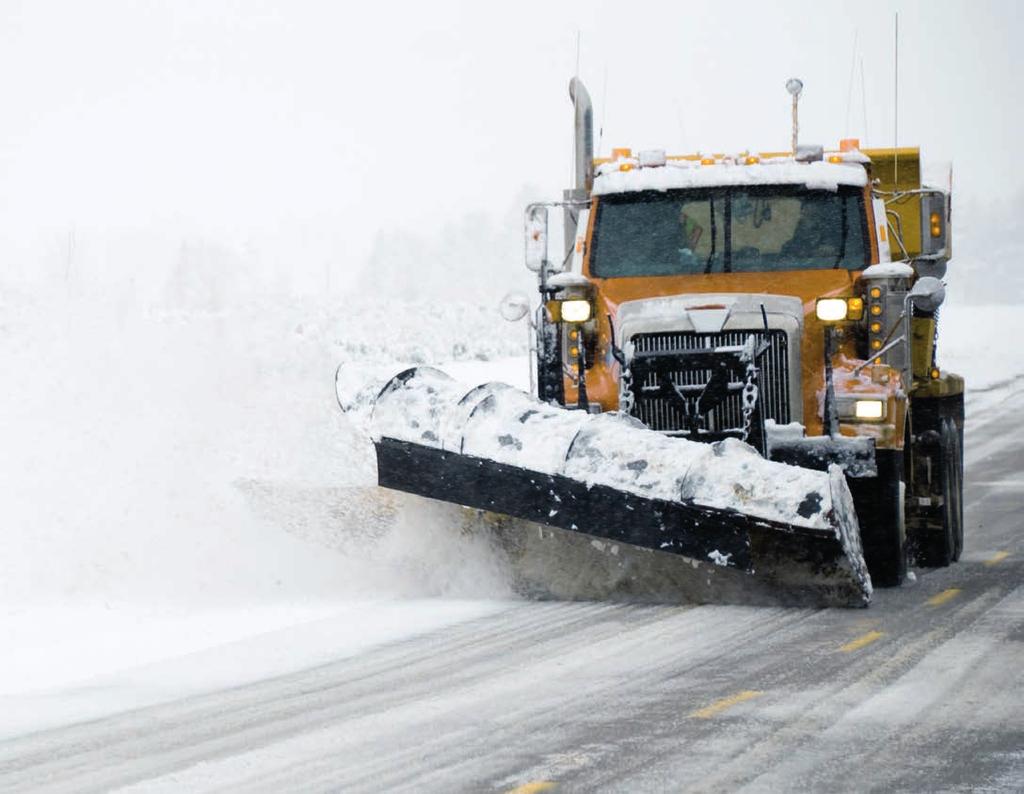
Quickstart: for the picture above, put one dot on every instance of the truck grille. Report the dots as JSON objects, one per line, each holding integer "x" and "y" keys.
{"x": 659, "y": 413}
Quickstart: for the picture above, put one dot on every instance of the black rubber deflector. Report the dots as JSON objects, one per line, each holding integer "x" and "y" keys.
{"x": 603, "y": 512}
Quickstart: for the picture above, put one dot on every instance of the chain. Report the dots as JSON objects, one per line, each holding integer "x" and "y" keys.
{"x": 749, "y": 398}
{"x": 750, "y": 391}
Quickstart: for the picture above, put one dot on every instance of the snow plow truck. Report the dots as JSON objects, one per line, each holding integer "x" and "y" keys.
{"x": 734, "y": 376}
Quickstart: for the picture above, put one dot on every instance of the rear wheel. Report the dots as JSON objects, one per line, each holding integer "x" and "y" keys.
{"x": 954, "y": 490}
{"x": 952, "y": 493}
{"x": 940, "y": 546}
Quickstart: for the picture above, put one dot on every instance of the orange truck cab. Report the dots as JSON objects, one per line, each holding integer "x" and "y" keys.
{"x": 789, "y": 300}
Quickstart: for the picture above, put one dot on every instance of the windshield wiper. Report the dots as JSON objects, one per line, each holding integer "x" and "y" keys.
{"x": 714, "y": 236}
{"x": 727, "y": 263}
{"x": 843, "y": 234}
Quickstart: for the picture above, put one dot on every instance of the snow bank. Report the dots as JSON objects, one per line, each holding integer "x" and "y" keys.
{"x": 175, "y": 477}
{"x": 131, "y": 432}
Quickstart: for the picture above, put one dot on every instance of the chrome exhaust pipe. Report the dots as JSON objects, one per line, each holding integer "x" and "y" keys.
{"x": 584, "y": 137}
{"x": 583, "y": 171}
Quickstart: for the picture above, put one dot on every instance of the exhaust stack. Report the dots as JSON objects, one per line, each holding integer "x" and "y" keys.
{"x": 583, "y": 136}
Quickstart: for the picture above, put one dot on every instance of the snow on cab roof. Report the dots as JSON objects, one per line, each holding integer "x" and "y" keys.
{"x": 628, "y": 176}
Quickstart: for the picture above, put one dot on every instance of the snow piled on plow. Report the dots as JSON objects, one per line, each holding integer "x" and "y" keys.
{"x": 727, "y": 474}
{"x": 427, "y": 407}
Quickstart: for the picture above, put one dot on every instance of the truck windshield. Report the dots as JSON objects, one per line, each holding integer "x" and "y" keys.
{"x": 744, "y": 229}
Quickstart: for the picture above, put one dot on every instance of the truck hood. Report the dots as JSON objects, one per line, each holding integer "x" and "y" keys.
{"x": 709, "y": 313}
{"x": 803, "y": 285}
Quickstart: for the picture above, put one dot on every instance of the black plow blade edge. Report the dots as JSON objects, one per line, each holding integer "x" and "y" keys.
{"x": 761, "y": 561}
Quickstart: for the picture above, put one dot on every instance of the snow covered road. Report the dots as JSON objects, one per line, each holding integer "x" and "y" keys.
{"x": 924, "y": 691}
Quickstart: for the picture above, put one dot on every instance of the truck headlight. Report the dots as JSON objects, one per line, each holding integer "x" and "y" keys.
{"x": 830, "y": 310}
{"x": 834, "y": 310}
{"x": 869, "y": 410}
{"x": 576, "y": 311}
{"x": 860, "y": 409}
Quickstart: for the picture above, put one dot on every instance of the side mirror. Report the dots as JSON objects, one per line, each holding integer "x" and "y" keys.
{"x": 536, "y": 224}
{"x": 927, "y": 294}
{"x": 514, "y": 307}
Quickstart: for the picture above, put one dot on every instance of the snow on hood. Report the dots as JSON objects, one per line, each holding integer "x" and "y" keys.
{"x": 707, "y": 313}
{"x": 675, "y": 306}
{"x": 677, "y": 174}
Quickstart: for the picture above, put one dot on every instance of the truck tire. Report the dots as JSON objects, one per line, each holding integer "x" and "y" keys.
{"x": 882, "y": 518}
{"x": 953, "y": 486}
{"x": 952, "y": 489}
{"x": 939, "y": 547}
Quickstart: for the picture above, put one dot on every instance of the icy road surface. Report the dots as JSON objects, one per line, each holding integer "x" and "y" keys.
{"x": 924, "y": 691}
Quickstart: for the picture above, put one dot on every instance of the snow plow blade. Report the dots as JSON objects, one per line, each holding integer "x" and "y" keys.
{"x": 791, "y": 533}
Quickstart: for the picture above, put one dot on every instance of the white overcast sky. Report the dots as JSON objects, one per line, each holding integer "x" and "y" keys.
{"x": 240, "y": 116}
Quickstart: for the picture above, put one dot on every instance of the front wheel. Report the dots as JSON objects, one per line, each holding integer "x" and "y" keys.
{"x": 880, "y": 513}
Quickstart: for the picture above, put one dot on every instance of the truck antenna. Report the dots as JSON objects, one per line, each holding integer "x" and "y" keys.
{"x": 579, "y": 35}
{"x": 574, "y": 176}
{"x": 604, "y": 110}
{"x": 849, "y": 90}
{"x": 896, "y": 104}
{"x": 864, "y": 100}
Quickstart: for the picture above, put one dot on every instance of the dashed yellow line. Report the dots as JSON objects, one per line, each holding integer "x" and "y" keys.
{"x": 939, "y": 599}
{"x": 997, "y": 558}
{"x": 532, "y": 788}
{"x": 862, "y": 641}
{"x": 721, "y": 705}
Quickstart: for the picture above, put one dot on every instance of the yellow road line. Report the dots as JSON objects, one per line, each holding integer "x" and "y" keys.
{"x": 861, "y": 641}
{"x": 941, "y": 598}
{"x": 997, "y": 558}
{"x": 532, "y": 788}
{"x": 721, "y": 705}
